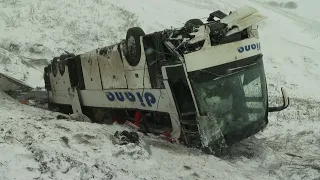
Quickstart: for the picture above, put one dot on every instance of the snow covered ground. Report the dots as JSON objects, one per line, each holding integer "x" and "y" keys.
{"x": 36, "y": 145}
{"x": 32, "y": 32}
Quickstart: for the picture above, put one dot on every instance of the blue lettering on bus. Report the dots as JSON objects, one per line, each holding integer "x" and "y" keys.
{"x": 145, "y": 99}
{"x": 130, "y": 96}
{"x": 119, "y": 96}
{"x": 249, "y": 47}
{"x": 140, "y": 99}
{"x": 110, "y": 96}
{"x": 149, "y": 98}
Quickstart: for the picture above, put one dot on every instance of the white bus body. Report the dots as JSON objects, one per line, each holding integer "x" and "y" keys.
{"x": 110, "y": 78}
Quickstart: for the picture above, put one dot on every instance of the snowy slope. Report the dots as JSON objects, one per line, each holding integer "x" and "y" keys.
{"x": 40, "y": 30}
{"x": 291, "y": 46}
{"x": 35, "y": 144}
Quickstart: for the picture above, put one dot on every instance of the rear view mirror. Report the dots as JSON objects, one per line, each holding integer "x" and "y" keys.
{"x": 285, "y": 102}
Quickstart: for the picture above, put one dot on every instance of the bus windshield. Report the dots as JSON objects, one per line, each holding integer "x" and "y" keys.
{"x": 234, "y": 95}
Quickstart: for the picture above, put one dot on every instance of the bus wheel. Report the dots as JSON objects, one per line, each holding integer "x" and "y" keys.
{"x": 133, "y": 46}
{"x": 190, "y": 24}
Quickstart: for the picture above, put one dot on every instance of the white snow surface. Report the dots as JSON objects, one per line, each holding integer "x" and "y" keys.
{"x": 37, "y": 30}
{"x": 35, "y": 145}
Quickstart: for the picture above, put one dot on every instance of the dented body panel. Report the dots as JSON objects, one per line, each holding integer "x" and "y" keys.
{"x": 111, "y": 68}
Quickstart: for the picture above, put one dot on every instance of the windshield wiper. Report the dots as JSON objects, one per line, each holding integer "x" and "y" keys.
{"x": 211, "y": 73}
{"x": 241, "y": 67}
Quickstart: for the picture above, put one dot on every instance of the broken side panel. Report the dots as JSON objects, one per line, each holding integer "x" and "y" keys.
{"x": 242, "y": 18}
{"x": 111, "y": 68}
{"x": 75, "y": 72}
{"x": 61, "y": 81}
{"x": 75, "y": 101}
{"x": 91, "y": 71}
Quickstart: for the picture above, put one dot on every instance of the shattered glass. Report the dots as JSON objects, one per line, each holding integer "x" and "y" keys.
{"x": 231, "y": 104}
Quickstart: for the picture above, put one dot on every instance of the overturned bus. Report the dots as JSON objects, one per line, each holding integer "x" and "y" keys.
{"x": 202, "y": 84}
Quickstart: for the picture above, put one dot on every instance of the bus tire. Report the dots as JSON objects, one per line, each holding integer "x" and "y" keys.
{"x": 190, "y": 24}
{"x": 133, "y": 46}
